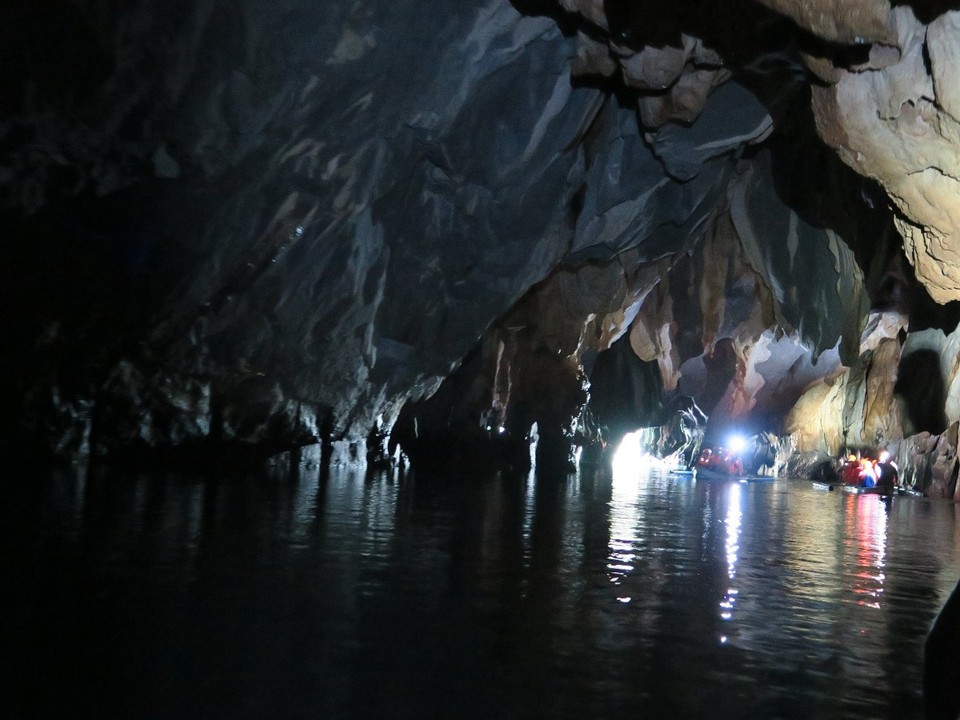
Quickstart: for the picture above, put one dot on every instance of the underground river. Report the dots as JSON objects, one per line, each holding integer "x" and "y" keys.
{"x": 291, "y": 594}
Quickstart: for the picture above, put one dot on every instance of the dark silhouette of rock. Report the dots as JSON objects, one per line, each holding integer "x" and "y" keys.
{"x": 941, "y": 663}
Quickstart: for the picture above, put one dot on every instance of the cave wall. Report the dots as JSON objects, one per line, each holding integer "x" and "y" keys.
{"x": 895, "y": 117}
{"x": 273, "y": 225}
{"x": 337, "y": 212}
{"x": 899, "y": 396}
{"x": 644, "y": 333}
{"x": 854, "y": 408}
{"x": 884, "y": 95}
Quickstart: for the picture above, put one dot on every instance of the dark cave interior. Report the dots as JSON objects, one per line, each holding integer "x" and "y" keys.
{"x": 267, "y": 227}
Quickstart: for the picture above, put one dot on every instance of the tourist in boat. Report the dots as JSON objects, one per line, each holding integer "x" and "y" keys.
{"x": 869, "y": 472}
{"x": 734, "y": 464}
{"x": 718, "y": 461}
{"x": 852, "y": 472}
{"x": 887, "y": 474}
{"x": 705, "y": 457}
{"x": 721, "y": 460}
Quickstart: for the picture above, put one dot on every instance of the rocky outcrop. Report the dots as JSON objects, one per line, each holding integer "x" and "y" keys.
{"x": 899, "y": 122}
{"x": 320, "y": 243}
{"x": 264, "y": 226}
{"x": 887, "y": 103}
{"x": 651, "y": 336}
{"x": 854, "y": 407}
{"x": 929, "y": 463}
{"x": 843, "y": 22}
{"x": 898, "y": 397}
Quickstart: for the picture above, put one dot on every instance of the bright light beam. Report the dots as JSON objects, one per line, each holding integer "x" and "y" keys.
{"x": 737, "y": 443}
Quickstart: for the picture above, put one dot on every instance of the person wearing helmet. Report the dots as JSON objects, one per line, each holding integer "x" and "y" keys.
{"x": 887, "y": 474}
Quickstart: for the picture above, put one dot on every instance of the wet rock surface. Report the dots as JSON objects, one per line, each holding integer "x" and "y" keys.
{"x": 272, "y": 226}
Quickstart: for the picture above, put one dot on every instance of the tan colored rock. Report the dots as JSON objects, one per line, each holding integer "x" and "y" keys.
{"x": 653, "y": 68}
{"x": 601, "y": 331}
{"x": 592, "y": 58}
{"x": 747, "y": 381}
{"x": 723, "y": 260}
{"x": 879, "y": 419}
{"x": 825, "y": 65}
{"x": 950, "y": 367}
{"x": 857, "y": 407}
{"x": 894, "y": 125}
{"x": 944, "y": 50}
{"x": 592, "y": 10}
{"x": 880, "y": 326}
{"x": 840, "y": 21}
{"x": 653, "y": 334}
{"x": 712, "y": 287}
{"x": 684, "y": 101}
{"x": 815, "y": 422}
{"x": 677, "y": 80}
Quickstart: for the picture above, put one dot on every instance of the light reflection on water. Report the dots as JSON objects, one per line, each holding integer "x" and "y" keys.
{"x": 732, "y": 522}
{"x": 290, "y": 594}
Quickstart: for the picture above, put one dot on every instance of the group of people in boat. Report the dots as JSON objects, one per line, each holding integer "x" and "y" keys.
{"x": 881, "y": 472}
{"x": 720, "y": 460}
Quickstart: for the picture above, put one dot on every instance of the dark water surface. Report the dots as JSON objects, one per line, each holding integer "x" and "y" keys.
{"x": 288, "y": 595}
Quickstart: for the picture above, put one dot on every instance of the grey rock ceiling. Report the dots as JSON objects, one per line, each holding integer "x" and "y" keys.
{"x": 276, "y": 223}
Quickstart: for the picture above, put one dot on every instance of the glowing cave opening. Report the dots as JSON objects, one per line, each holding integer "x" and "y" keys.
{"x": 631, "y": 460}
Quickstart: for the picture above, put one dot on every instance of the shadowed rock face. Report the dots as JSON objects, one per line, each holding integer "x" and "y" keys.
{"x": 335, "y": 212}
{"x": 269, "y": 225}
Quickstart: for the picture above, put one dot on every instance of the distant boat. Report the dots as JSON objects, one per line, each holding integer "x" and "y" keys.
{"x": 702, "y": 473}
{"x": 861, "y": 490}
{"x": 851, "y": 489}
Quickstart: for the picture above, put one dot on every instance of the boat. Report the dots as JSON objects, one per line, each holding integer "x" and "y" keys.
{"x": 829, "y": 487}
{"x": 702, "y": 473}
{"x": 862, "y": 490}
{"x": 851, "y": 489}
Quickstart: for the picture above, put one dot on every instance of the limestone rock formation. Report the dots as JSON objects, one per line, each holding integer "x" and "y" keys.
{"x": 929, "y": 463}
{"x": 899, "y": 396}
{"x": 838, "y": 21}
{"x": 900, "y": 124}
{"x": 295, "y": 219}
{"x": 268, "y": 225}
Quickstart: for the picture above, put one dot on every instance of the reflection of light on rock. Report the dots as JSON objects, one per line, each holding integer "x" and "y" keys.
{"x": 534, "y": 437}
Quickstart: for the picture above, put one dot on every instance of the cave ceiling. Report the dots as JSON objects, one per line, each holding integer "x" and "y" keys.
{"x": 279, "y": 222}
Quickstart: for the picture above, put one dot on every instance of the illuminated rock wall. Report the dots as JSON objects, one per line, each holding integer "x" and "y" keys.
{"x": 899, "y": 122}
{"x": 268, "y": 225}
